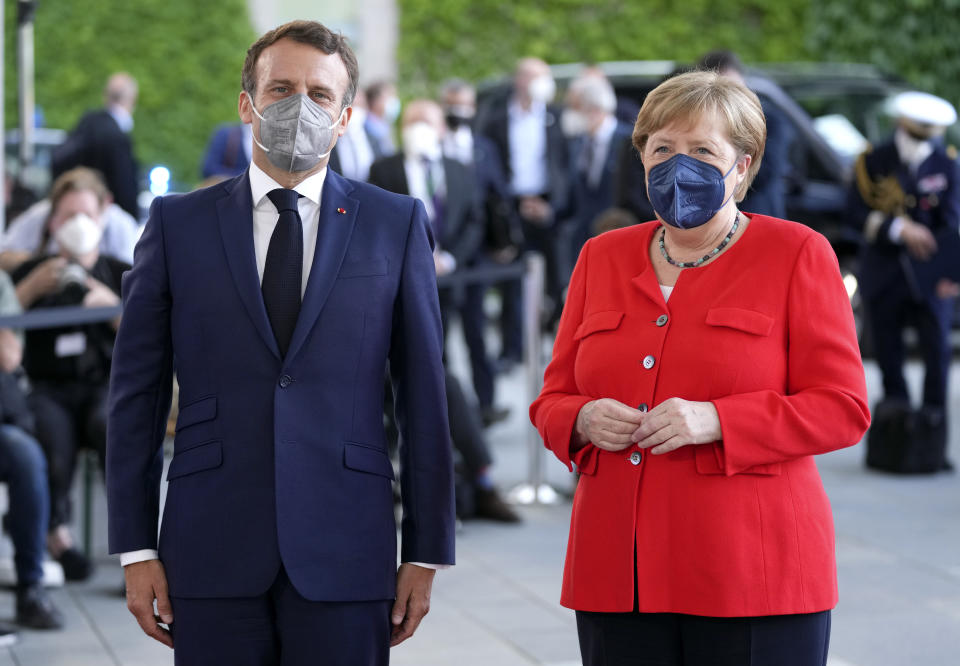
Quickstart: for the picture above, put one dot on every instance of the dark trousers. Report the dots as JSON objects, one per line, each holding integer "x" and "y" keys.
{"x": 672, "y": 639}
{"x": 466, "y": 429}
{"x": 280, "y": 628}
{"x": 888, "y": 316}
{"x": 468, "y": 303}
{"x": 69, "y": 417}
{"x": 24, "y": 470}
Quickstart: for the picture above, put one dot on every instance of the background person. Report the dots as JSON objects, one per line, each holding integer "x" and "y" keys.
{"x": 28, "y": 234}
{"x": 768, "y": 191}
{"x": 228, "y": 152}
{"x": 23, "y": 469}
{"x": 383, "y": 109}
{"x": 533, "y": 152}
{"x": 69, "y": 366}
{"x": 502, "y": 238}
{"x": 101, "y": 141}
{"x": 686, "y": 544}
{"x": 906, "y": 201}
{"x": 597, "y": 139}
{"x": 354, "y": 153}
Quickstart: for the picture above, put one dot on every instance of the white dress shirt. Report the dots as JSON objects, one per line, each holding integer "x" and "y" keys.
{"x": 265, "y": 217}
{"x": 601, "y": 146}
{"x": 24, "y": 232}
{"x": 527, "y": 135}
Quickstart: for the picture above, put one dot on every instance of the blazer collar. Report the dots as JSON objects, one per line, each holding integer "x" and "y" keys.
{"x": 235, "y": 213}
{"x": 338, "y": 216}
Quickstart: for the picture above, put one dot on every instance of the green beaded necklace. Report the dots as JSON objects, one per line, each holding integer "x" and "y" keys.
{"x": 712, "y": 253}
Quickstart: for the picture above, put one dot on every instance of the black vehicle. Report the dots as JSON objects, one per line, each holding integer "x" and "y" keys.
{"x": 836, "y": 111}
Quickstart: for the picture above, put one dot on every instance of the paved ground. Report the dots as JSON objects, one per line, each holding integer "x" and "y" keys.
{"x": 898, "y": 549}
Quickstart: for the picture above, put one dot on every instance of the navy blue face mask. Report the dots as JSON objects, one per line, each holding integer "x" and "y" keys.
{"x": 686, "y": 192}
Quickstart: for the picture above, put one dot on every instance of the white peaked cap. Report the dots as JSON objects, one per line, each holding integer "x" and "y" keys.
{"x": 924, "y": 108}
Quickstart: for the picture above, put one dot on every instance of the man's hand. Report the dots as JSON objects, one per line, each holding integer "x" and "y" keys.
{"x": 146, "y": 582}
{"x": 947, "y": 288}
{"x": 42, "y": 280}
{"x": 536, "y": 210}
{"x": 413, "y": 601}
{"x": 918, "y": 240}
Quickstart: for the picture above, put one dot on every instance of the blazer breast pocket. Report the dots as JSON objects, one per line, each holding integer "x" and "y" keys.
{"x": 607, "y": 320}
{"x": 357, "y": 268}
{"x": 741, "y": 319}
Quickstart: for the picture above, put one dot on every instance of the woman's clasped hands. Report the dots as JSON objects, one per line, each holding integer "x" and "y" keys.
{"x": 614, "y": 426}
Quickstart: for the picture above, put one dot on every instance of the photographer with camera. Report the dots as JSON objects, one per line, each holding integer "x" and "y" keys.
{"x": 70, "y": 366}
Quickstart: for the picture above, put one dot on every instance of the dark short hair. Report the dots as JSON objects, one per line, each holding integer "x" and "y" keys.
{"x": 720, "y": 61}
{"x": 376, "y": 89}
{"x": 313, "y": 34}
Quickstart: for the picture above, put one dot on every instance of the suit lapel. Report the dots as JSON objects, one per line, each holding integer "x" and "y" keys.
{"x": 333, "y": 237}
{"x": 235, "y": 212}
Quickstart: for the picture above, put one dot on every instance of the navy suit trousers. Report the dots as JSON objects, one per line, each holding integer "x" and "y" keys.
{"x": 281, "y": 628}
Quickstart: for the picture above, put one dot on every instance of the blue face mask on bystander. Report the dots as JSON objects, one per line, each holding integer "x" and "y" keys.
{"x": 686, "y": 192}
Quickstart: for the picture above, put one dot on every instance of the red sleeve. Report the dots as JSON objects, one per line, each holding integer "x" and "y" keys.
{"x": 825, "y": 406}
{"x": 554, "y": 412}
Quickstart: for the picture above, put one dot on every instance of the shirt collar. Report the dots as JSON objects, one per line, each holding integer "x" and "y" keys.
{"x": 537, "y": 109}
{"x": 261, "y": 184}
{"x": 606, "y": 129}
{"x": 121, "y": 116}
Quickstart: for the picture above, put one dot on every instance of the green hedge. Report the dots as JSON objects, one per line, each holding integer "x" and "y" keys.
{"x": 916, "y": 39}
{"x": 479, "y": 38}
{"x": 185, "y": 54}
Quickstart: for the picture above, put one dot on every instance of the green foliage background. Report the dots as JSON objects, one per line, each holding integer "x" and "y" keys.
{"x": 916, "y": 39}
{"x": 185, "y": 54}
{"x": 474, "y": 39}
{"x": 479, "y": 38}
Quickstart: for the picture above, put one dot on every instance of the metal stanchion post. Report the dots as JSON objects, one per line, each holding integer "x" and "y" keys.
{"x": 535, "y": 490}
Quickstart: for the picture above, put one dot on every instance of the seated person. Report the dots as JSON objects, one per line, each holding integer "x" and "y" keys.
{"x": 24, "y": 470}
{"x": 25, "y": 235}
{"x": 70, "y": 365}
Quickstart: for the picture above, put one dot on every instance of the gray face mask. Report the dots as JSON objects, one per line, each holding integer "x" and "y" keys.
{"x": 295, "y": 132}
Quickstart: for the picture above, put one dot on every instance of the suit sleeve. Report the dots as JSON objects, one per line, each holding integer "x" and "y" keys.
{"x": 825, "y": 405}
{"x": 416, "y": 373}
{"x": 555, "y": 411}
{"x": 139, "y": 400}
{"x": 872, "y": 223}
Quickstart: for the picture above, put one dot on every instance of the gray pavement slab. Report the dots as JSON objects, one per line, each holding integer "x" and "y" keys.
{"x": 898, "y": 551}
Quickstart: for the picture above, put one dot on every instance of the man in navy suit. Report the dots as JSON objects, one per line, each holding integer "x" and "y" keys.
{"x": 228, "y": 152}
{"x": 906, "y": 201}
{"x": 597, "y": 139}
{"x": 101, "y": 141}
{"x": 280, "y": 298}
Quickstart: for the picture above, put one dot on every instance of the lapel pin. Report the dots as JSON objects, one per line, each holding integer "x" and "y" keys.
{"x": 341, "y": 210}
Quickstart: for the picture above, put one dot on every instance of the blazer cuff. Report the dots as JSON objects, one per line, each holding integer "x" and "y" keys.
{"x": 556, "y": 428}
{"x": 134, "y": 556}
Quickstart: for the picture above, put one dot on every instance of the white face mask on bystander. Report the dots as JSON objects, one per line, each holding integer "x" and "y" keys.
{"x": 79, "y": 235}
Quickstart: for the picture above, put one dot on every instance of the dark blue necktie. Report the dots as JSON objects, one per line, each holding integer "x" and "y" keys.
{"x": 283, "y": 272}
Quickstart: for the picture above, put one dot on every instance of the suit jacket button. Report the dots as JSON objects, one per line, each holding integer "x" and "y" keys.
{"x": 648, "y": 361}
{"x": 643, "y": 407}
{"x": 662, "y": 320}
{"x": 285, "y": 381}
{"x": 635, "y": 458}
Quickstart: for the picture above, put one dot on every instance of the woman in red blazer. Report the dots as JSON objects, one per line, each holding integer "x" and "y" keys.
{"x": 702, "y": 360}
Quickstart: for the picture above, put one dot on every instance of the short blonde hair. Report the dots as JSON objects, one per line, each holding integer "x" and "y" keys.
{"x": 686, "y": 98}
